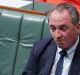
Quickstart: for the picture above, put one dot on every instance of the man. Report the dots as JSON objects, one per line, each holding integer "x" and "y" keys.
{"x": 45, "y": 58}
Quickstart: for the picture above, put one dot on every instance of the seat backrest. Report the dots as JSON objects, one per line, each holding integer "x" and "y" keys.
{"x": 9, "y": 32}
{"x": 31, "y": 31}
{"x": 18, "y": 33}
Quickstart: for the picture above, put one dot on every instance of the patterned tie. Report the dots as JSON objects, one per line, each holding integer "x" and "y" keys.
{"x": 59, "y": 66}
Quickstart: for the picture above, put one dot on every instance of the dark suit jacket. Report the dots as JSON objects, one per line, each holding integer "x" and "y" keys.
{"x": 42, "y": 59}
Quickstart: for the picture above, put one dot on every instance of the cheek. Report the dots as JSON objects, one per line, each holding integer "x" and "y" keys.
{"x": 70, "y": 37}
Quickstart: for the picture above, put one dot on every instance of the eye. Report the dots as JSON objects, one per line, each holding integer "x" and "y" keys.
{"x": 52, "y": 28}
{"x": 63, "y": 28}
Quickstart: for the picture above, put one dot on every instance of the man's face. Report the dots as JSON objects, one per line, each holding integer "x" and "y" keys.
{"x": 63, "y": 31}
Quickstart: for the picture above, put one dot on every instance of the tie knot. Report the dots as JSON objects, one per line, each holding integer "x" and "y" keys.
{"x": 63, "y": 53}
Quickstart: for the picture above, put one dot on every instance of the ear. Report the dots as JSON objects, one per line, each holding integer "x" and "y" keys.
{"x": 78, "y": 28}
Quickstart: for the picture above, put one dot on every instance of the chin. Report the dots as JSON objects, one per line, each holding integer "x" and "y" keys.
{"x": 61, "y": 46}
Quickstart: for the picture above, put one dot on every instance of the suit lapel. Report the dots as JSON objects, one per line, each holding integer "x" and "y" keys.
{"x": 50, "y": 55}
{"x": 75, "y": 65}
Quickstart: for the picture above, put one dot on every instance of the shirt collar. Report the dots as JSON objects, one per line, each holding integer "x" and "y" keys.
{"x": 71, "y": 50}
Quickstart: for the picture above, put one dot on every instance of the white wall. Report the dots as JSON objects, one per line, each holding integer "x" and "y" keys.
{"x": 15, "y": 3}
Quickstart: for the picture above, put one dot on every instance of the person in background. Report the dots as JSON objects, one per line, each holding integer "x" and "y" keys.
{"x": 60, "y": 54}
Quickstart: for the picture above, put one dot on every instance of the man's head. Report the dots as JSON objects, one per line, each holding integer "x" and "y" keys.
{"x": 64, "y": 25}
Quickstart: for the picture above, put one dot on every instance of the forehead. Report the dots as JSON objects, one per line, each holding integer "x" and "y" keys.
{"x": 59, "y": 16}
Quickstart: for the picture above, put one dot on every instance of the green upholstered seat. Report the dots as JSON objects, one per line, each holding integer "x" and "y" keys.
{"x": 31, "y": 31}
{"x": 40, "y": 6}
{"x": 9, "y": 32}
{"x": 18, "y": 33}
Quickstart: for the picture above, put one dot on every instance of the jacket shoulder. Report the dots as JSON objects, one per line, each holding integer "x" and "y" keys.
{"x": 43, "y": 42}
{"x": 41, "y": 45}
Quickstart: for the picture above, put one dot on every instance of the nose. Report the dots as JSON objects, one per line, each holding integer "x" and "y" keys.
{"x": 57, "y": 34}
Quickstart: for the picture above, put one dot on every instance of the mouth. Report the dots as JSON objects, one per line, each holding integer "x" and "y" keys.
{"x": 59, "y": 43}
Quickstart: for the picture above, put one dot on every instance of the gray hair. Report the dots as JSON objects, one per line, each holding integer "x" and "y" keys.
{"x": 71, "y": 10}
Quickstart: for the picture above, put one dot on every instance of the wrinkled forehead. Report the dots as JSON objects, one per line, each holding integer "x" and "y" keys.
{"x": 57, "y": 14}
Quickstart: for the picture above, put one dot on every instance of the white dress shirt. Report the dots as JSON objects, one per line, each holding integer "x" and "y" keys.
{"x": 67, "y": 59}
